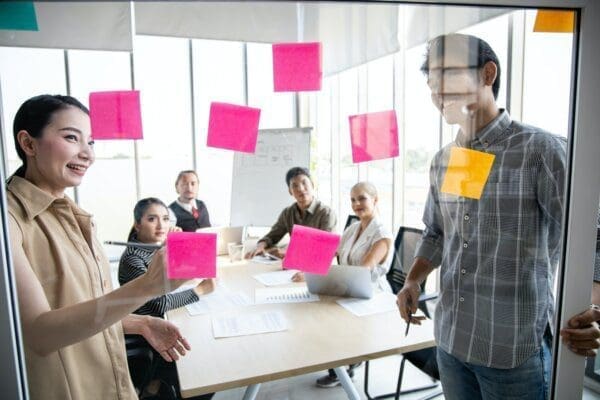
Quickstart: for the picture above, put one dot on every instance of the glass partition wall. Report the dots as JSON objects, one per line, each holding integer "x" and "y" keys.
{"x": 537, "y": 72}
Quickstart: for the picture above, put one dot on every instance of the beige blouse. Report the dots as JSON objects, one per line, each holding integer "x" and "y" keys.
{"x": 60, "y": 244}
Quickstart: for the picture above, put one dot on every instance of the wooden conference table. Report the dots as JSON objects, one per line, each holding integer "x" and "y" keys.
{"x": 321, "y": 335}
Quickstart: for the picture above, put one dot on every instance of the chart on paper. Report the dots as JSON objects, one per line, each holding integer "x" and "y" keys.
{"x": 298, "y": 294}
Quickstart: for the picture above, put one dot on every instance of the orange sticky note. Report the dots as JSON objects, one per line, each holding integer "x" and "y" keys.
{"x": 556, "y": 21}
{"x": 467, "y": 172}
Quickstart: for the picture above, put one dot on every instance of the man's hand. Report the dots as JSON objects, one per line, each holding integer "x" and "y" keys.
{"x": 165, "y": 338}
{"x": 582, "y": 336}
{"x": 277, "y": 252}
{"x": 408, "y": 299}
{"x": 260, "y": 249}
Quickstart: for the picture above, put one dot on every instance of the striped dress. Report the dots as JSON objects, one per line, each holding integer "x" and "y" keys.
{"x": 134, "y": 262}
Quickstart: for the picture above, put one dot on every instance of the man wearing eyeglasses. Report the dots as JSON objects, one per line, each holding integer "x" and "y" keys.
{"x": 498, "y": 252}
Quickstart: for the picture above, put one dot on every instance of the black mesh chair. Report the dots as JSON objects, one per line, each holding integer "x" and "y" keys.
{"x": 144, "y": 364}
{"x": 350, "y": 220}
{"x": 425, "y": 359}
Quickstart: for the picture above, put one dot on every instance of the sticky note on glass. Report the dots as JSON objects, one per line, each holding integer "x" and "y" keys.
{"x": 233, "y": 127}
{"x": 374, "y": 136}
{"x": 116, "y": 115}
{"x": 297, "y": 67}
{"x": 555, "y": 21}
{"x": 311, "y": 250}
{"x": 467, "y": 172}
{"x": 191, "y": 255}
{"x": 18, "y": 16}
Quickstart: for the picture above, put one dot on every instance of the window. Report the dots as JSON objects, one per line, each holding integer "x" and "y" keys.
{"x": 218, "y": 76}
{"x": 113, "y": 172}
{"x": 277, "y": 109}
{"x": 21, "y": 77}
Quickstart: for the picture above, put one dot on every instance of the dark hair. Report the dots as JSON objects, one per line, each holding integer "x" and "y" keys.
{"x": 139, "y": 210}
{"x": 182, "y": 173}
{"x": 35, "y": 114}
{"x": 294, "y": 172}
{"x": 477, "y": 51}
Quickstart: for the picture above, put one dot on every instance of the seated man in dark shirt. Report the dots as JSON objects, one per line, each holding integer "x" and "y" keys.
{"x": 191, "y": 213}
{"x": 307, "y": 211}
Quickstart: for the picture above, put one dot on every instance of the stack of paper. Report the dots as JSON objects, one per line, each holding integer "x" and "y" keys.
{"x": 379, "y": 303}
{"x": 297, "y": 294}
{"x": 249, "y": 324}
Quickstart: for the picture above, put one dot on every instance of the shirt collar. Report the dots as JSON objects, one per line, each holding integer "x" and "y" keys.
{"x": 35, "y": 200}
{"x": 489, "y": 134}
{"x": 186, "y": 206}
{"x": 313, "y": 207}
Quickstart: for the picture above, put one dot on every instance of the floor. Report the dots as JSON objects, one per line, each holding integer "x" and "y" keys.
{"x": 383, "y": 380}
{"x": 383, "y": 374}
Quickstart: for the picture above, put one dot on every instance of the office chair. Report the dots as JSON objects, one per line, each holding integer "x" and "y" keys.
{"x": 350, "y": 220}
{"x": 425, "y": 359}
{"x": 143, "y": 363}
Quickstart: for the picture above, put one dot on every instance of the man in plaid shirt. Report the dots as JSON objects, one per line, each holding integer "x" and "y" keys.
{"x": 497, "y": 252}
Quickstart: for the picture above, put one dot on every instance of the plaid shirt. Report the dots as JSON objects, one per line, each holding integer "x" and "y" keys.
{"x": 498, "y": 254}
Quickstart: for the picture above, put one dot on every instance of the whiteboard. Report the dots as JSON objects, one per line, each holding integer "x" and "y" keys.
{"x": 259, "y": 192}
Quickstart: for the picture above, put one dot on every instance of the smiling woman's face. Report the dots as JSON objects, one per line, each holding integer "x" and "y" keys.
{"x": 61, "y": 156}
{"x": 363, "y": 204}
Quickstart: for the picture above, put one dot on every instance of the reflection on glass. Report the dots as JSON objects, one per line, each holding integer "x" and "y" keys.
{"x": 498, "y": 250}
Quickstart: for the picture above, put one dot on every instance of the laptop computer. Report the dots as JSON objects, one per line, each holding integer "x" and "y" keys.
{"x": 225, "y": 235}
{"x": 342, "y": 280}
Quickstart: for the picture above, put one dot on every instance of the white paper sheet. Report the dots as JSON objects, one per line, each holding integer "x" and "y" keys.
{"x": 219, "y": 300}
{"x": 379, "y": 303}
{"x": 269, "y": 260}
{"x": 296, "y": 294}
{"x": 276, "y": 277}
{"x": 249, "y": 324}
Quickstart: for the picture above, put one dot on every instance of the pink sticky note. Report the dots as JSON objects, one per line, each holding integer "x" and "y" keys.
{"x": 374, "y": 136}
{"x": 116, "y": 115}
{"x": 191, "y": 255}
{"x": 311, "y": 250}
{"x": 297, "y": 67}
{"x": 233, "y": 127}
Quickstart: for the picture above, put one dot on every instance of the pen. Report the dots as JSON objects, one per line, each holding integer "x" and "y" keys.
{"x": 149, "y": 246}
{"x": 409, "y": 318}
{"x": 270, "y": 256}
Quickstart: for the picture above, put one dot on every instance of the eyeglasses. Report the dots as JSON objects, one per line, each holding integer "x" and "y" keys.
{"x": 440, "y": 74}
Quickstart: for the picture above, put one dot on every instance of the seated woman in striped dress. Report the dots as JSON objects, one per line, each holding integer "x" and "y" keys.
{"x": 151, "y": 225}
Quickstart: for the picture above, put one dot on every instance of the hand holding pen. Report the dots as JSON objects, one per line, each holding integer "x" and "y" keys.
{"x": 409, "y": 312}
{"x": 407, "y": 301}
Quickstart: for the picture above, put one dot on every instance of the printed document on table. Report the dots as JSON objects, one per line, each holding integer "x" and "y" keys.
{"x": 294, "y": 294}
{"x": 219, "y": 300}
{"x": 276, "y": 277}
{"x": 379, "y": 303}
{"x": 249, "y": 324}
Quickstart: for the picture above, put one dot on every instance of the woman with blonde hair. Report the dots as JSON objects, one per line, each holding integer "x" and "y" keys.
{"x": 366, "y": 243}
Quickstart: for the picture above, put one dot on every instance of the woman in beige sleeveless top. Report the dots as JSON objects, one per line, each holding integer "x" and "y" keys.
{"x": 72, "y": 321}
